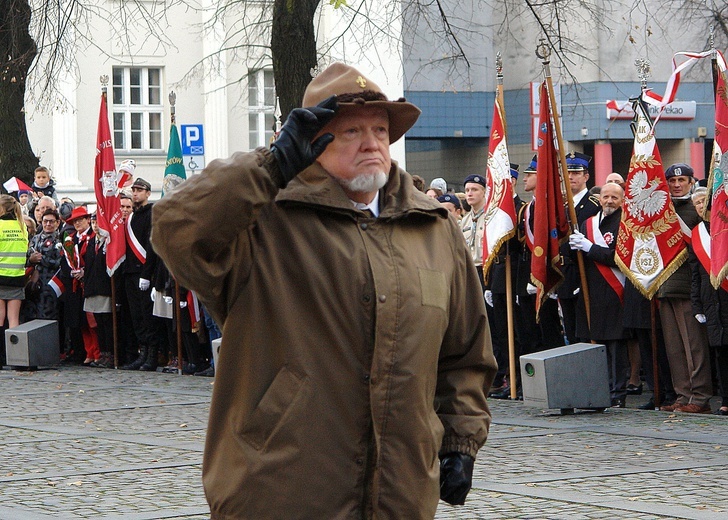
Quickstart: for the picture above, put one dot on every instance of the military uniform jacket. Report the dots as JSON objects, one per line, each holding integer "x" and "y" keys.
{"x": 586, "y": 207}
{"x": 354, "y": 349}
{"x": 604, "y": 303}
{"x": 139, "y": 229}
{"x": 473, "y": 227}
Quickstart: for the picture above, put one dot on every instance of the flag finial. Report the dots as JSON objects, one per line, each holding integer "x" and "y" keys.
{"x": 172, "y": 101}
{"x": 643, "y": 71}
{"x": 104, "y": 79}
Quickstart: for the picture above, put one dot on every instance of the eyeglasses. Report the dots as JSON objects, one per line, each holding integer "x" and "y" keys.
{"x": 49, "y": 221}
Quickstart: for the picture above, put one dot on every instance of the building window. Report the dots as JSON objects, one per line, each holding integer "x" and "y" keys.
{"x": 261, "y": 108}
{"x": 137, "y": 108}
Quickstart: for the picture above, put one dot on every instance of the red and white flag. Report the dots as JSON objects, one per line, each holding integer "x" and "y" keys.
{"x": 106, "y": 187}
{"x": 673, "y": 82}
{"x": 15, "y": 184}
{"x": 500, "y": 210}
{"x": 701, "y": 248}
{"x": 718, "y": 184}
{"x": 550, "y": 226}
{"x": 57, "y": 284}
{"x": 650, "y": 245}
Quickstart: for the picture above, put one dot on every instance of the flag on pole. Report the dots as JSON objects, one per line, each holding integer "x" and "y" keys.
{"x": 718, "y": 183}
{"x": 15, "y": 184}
{"x": 550, "y": 227}
{"x": 650, "y": 242}
{"x": 174, "y": 168}
{"x": 500, "y": 210}
{"x": 108, "y": 211}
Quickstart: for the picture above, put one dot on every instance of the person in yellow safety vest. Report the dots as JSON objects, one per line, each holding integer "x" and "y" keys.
{"x": 13, "y": 250}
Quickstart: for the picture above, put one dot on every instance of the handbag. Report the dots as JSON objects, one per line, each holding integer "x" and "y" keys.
{"x": 34, "y": 285}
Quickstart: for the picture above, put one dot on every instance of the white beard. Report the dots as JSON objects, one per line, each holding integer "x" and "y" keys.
{"x": 606, "y": 210}
{"x": 364, "y": 183}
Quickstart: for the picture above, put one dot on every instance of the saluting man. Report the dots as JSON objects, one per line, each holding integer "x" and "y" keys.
{"x": 355, "y": 351}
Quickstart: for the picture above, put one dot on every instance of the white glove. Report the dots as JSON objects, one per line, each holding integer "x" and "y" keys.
{"x": 168, "y": 300}
{"x": 488, "y": 297}
{"x": 578, "y": 241}
{"x": 182, "y": 304}
{"x": 153, "y": 294}
{"x": 143, "y": 284}
{"x": 700, "y": 318}
{"x": 531, "y": 289}
{"x": 553, "y": 296}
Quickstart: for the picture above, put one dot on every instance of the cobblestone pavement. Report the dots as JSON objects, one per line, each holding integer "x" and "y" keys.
{"x": 89, "y": 443}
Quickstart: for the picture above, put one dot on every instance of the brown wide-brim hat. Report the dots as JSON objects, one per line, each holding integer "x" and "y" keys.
{"x": 343, "y": 80}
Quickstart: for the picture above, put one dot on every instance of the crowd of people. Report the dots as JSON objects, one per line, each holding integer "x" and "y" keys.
{"x": 53, "y": 267}
{"x": 691, "y": 316}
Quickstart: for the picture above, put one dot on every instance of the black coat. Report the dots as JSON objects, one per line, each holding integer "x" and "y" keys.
{"x": 606, "y": 310}
{"x": 141, "y": 225}
{"x": 710, "y": 302}
{"x": 96, "y": 281}
{"x": 587, "y": 207}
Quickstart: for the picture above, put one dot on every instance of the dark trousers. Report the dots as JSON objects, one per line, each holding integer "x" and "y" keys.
{"x": 618, "y": 366}
{"x": 721, "y": 365}
{"x": 499, "y": 334}
{"x": 147, "y": 327}
{"x": 105, "y": 331}
{"x": 644, "y": 338}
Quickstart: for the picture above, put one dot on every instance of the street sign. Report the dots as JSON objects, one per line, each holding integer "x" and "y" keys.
{"x": 193, "y": 142}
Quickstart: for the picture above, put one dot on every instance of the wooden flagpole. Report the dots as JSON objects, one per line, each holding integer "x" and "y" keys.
{"x": 543, "y": 51}
{"x": 509, "y": 285}
{"x": 114, "y": 319}
{"x": 177, "y": 309}
{"x": 643, "y": 72}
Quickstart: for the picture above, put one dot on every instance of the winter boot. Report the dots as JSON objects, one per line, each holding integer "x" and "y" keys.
{"x": 138, "y": 362}
{"x": 150, "y": 365}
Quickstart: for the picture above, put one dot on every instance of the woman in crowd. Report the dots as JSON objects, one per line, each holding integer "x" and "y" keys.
{"x": 44, "y": 255}
{"x": 97, "y": 295}
{"x": 13, "y": 250}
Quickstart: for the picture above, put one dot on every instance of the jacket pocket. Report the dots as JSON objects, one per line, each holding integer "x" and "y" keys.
{"x": 273, "y": 408}
{"x": 434, "y": 289}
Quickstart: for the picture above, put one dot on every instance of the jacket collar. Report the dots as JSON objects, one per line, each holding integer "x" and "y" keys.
{"x": 315, "y": 187}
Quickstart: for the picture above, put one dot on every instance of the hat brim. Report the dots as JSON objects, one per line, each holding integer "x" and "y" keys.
{"x": 402, "y": 115}
{"x": 74, "y": 219}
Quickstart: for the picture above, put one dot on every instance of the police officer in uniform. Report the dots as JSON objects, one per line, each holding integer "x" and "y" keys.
{"x": 585, "y": 206}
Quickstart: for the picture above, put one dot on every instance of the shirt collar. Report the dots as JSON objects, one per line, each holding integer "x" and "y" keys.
{"x": 373, "y": 206}
{"x": 577, "y": 198}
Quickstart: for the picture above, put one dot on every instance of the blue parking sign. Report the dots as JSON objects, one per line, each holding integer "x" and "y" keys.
{"x": 193, "y": 142}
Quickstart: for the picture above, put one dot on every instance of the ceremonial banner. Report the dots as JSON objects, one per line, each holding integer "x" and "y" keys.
{"x": 106, "y": 187}
{"x": 174, "y": 168}
{"x": 550, "y": 226}
{"x": 500, "y": 210}
{"x": 650, "y": 245}
{"x": 701, "y": 248}
{"x": 718, "y": 184}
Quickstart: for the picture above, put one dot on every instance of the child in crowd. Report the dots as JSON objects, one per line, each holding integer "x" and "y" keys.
{"x": 43, "y": 184}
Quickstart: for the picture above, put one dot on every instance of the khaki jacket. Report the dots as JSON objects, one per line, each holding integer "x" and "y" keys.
{"x": 354, "y": 349}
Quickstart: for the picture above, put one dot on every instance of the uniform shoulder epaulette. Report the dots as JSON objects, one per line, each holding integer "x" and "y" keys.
{"x": 594, "y": 199}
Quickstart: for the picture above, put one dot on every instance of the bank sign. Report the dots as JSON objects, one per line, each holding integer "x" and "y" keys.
{"x": 675, "y": 110}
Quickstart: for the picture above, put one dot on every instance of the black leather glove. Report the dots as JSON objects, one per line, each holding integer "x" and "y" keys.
{"x": 293, "y": 150}
{"x": 456, "y": 477}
